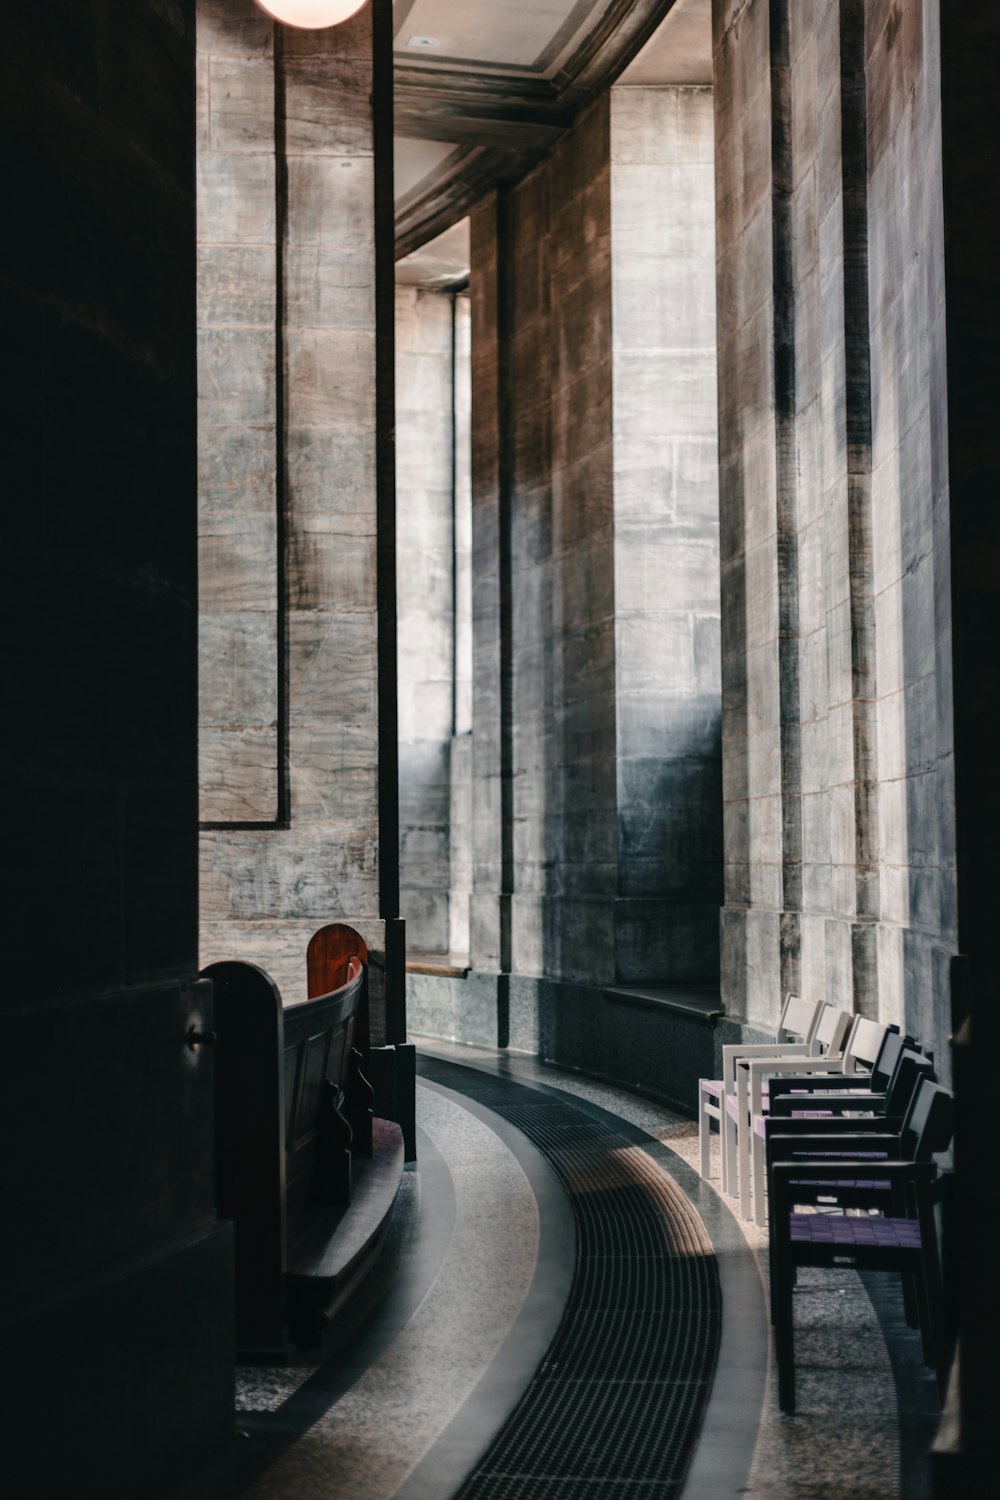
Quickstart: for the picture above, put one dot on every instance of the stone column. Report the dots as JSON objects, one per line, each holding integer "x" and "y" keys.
{"x": 751, "y": 713}
{"x": 836, "y": 621}
{"x": 238, "y": 318}
{"x": 605, "y": 286}
{"x": 573, "y": 670}
{"x": 666, "y": 534}
{"x": 487, "y": 871}
{"x": 290, "y": 682}
{"x": 460, "y": 817}
{"x": 425, "y": 442}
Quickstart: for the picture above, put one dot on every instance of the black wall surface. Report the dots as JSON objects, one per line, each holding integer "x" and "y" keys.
{"x": 971, "y": 153}
{"x": 115, "y": 1287}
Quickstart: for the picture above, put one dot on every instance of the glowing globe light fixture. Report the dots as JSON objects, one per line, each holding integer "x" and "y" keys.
{"x": 310, "y": 15}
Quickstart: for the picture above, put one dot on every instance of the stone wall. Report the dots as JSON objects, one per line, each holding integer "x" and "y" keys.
{"x": 287, "y": 384}
{"x": 238, "y": 551}
{"x": 115, "y": 1278}
{"x": 561, "y": 541}
{"x": 425, "y": 457}
{"x": 910, "y": 509}
{"x": 460, "y": 818}
{"x": 595, "y": 724}
{"x": 837, "y": 741}
{"x": 487, "y": 911}
{"x": 666, "y": 533}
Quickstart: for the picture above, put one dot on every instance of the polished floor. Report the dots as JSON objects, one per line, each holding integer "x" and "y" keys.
{"x": 522, "y": 1340}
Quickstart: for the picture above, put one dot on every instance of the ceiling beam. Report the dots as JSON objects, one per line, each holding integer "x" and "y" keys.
{"x": 513, "y": 120}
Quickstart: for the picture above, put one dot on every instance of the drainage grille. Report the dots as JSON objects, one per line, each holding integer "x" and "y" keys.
{"x": 613, "y": 1411}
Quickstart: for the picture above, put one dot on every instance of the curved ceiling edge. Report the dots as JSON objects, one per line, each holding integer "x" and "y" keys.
{"x": 507, "y": 124}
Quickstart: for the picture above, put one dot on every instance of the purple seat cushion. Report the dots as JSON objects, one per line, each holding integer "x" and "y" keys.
{"x": 836, "y": 1229}
{"x": 880, "y": 1186}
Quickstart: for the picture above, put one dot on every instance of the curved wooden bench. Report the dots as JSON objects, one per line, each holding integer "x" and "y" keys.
{"x": 306, "y": 1175}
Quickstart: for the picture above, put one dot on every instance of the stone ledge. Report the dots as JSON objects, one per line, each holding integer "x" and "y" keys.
{"x": 442, "y": 966}
{"x": 699, "y": 1002}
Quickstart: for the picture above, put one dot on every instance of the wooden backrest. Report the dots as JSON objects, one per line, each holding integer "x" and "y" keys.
{"x": 884, "y": 1066}
{"x": 863, "y": 1045}
{"x": 249, "y": 1143}
{"x": 831, "y": 1031}
{"x": 316, "y": 1049}
{"x": 798, "y": 1019}
{"x": 279, "y": 1074}
{"x": 326, "y": 957}
{"x": 910, "y": 1067}
{"x": 929, "y": 1123}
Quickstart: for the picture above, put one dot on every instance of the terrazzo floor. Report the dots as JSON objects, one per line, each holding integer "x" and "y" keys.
{"x": 858, "y": 1433}
{"x": 469, "y": 1295}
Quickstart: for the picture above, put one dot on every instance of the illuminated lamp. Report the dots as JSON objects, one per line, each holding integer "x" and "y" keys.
{"x": 310, "y": 15}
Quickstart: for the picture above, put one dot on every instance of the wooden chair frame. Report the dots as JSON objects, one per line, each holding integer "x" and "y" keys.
{"x": 793, "y": 1037}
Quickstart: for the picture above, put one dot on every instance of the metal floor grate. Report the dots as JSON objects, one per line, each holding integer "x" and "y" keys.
{"x": 615, "y": 1407}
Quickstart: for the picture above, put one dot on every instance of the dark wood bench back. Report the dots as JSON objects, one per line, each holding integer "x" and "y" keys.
{"x": 329, "y": 951}
{"x": 282, "y": 1140}
{"x": 316, "y": 1048}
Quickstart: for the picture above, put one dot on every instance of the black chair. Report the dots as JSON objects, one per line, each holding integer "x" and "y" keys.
{"x": 815, "y": 1113}
{"x": 878, "y": 1081}
{"x": 892, "y": 1171}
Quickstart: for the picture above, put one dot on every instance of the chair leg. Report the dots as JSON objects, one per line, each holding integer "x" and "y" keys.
{"x": 704, "y": 1134}
{"x": 791, "y": 1274}
{"x": 932, "y": 1319}
{"x": 782, "y": 1268}
{"x": 757, "y": 1159}
{"x": 742, "y": 1148}
{"x": 727, "y": 1131}
{"x": 784, "y": 1332}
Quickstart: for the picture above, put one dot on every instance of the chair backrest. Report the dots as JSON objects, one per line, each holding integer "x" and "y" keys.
{"x": 885, "y": 1064}
{"x": 327, "y": 957}
{"x": 831, "y": 1032}
{"x": 316, "y": 1040}
{"x": 910, "y": 1067}
{"x": 863, "y": 1045}
{"x": 799, "y": 1019}
{"x": 929, "y": 1123}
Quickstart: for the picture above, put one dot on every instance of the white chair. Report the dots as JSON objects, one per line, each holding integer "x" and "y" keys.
{"x": 793, "y": 1037}
{"x": 825, "y": 1045}
{"x": 849, "y": 1045}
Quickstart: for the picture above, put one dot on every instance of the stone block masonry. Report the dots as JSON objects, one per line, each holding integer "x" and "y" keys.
{"x": 594, "y": 435}
{"x": 289, "y": 581}
{"x": 837, "y": 735}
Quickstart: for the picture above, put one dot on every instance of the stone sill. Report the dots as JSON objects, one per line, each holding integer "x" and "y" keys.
{"x": 442, "y": 966}
{"x": 697, "y": 1002}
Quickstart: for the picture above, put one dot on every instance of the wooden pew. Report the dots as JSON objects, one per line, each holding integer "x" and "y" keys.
{"x": 303, "y": 1170}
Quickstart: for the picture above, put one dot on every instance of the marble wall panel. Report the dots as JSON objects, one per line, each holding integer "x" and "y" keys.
{"x": 329, "y": 468}
{"x": 289, "y": 670}
{"x": 237, "y": 383}
{"x": 237, "y": 655}
{"x": 864, "y": 758}
{"x": 425, "y": 395}
{"x": 460, "y": 845}
{"x": 485, "y": 441}
{"x": 236, "y": 202}
{"x": 647, "y": 554}
{"x": 238, "y": 770}
{"x": 332, "y": 769}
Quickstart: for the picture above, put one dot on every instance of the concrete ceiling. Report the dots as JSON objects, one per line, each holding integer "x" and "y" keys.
{"x": 679, "y": 51}
{"x": 526, "y": 37}
{"x": 441, "y": 264}
{"x": 484, "y": 88}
